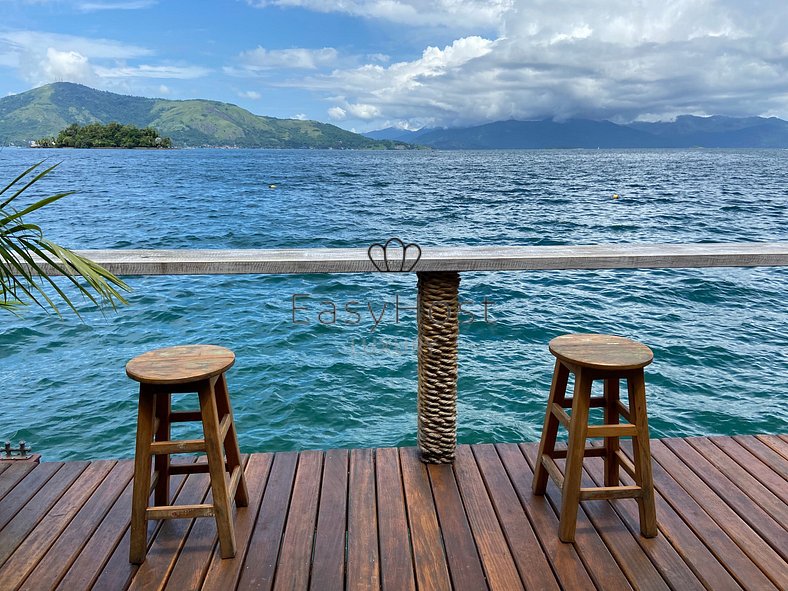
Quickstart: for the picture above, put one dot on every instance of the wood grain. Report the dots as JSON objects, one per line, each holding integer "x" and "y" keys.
{"x": 329, "y": 553}
{"x": 396, "y": 559}
{"x": 476, "y": 258}
{"x": 363, "y": 561}
{"x": 180, "y": 365}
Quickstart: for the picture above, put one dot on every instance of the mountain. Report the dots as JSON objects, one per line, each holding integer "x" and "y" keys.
{"x": 44, "y": 111}
{"x": 686, "y": 131}
{"x": 719, "y": 132}
{"x": 397, "y": 134}
{"x": 575, "y": 133}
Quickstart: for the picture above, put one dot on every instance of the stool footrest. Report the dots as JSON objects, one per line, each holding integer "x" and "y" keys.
{"x": 623, "y": 410}
{"x": 625, "y": 463}
{"x": 623, "y": 430}
{"x": 589, "y": 452}
{"x": 183, "y": 446}
{"x": 235, "y": 478}
{"x": 224, "y": 425}
{"x": 612, "y": 431}
{"x": 179, "y": 511}
{"x": 185, "y": 416}
{"x": 196, "y": 468}
{"x": 610, "y": 492}
{"x": 593, "y": 402}
{"x": 562, "y": 416}
{"x": 553, "y": 471}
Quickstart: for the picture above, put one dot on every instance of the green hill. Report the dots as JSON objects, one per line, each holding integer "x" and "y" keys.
{"x": 46, "y": 110}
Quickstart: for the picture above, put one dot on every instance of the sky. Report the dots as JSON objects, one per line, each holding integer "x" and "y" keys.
{"x": 370, "y": 64}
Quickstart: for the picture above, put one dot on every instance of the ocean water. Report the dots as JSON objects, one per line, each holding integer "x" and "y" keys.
{"x": 720, "y": 336}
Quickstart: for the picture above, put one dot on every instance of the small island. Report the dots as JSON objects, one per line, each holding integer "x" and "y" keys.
{"x": 110, "y": 135}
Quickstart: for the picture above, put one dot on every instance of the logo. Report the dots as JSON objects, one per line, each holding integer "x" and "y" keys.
{"x": 393, "y": 256}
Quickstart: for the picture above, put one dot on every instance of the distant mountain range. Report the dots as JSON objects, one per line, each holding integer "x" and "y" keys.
{"x": 46, "y": 110}
{"x": 687, "y": 131}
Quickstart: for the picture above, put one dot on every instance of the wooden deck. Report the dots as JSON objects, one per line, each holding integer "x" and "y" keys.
{"x": 371, "y": 519}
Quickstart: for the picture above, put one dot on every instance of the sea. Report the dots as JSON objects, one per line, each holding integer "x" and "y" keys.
{"x": 305, "y": 379}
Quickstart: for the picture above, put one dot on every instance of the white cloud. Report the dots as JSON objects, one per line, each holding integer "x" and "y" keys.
{"x": 250, "y": 94}
{"x": 164, "y": 89}
{"x": 151, "y": 71}
{"x": 337, "y": 113}
{"x": 461, "y": 14}
{"x": 129, "y": 5}
{"x": 614, "y": 59}
{"x": 298, "y": 58}
{"x": 42, "y": 57}
{"x": 66, "y": 65}
{"x": 300, "y": 116}
{"x": 38, "y": 41}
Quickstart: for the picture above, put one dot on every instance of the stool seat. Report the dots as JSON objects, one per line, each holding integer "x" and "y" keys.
{"x": 180, "y": 365}
{"x": 600, "y": 351}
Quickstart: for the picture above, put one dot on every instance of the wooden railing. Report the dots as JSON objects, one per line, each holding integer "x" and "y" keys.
{"x": 438, "y": 271}
{"x": 456, "y": 259}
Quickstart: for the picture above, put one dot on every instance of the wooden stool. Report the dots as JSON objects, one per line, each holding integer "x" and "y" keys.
{"x": 193, "y": 368}
{"x": 597, "y": 357}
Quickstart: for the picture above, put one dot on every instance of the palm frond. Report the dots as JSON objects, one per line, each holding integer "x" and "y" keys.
{"x": 28, "y": 260}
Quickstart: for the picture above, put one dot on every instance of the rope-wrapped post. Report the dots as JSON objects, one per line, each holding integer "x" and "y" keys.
{"x": 439, "y": 327}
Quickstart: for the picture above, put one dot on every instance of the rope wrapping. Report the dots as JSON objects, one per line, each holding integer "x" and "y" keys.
{"x": 439, "y": 328}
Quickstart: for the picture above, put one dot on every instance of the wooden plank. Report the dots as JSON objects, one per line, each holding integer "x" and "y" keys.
{"x": 432, "y": 572}
{"x": 765, "y": 453}
{"x": 777, "y": 444}
{"x": 195, "y": 557}
{"x": 28, "y": 517}
{"x": 531, "y": 562}
{"x": 753, "y": 465}
{"x": 52, "y": 523}
{"x": 754, "y": 489}
{"x": 13, "y": 474}
{"x": 51, "y": 568}
{"x": 396, "y": 559}
{"x": 749, "y": 541}
{"x": 296, "y": 552}
{"x": 463, "y": 559}
{"x": 596, "y": 556}
{"x": 328, "y": 562}
{"x": 261, "y": 556}
{"x": 566, "y": 564}
{"x": 746, "y": 573}
{"x": 691, "y": 548}
{"x": 104, "y": 561}
{"x": 224, "y": 574}
{"x": 363, "y": 563}
{"x": 669, "y": 560}
{"x": 474, "y": 258}
{"x": 758, "y": 519}
{"x": 31, "y": 482}
{"x": 497, "y": 560}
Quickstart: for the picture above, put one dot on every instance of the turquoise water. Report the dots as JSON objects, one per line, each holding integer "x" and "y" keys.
{"x": 719, "y": 335}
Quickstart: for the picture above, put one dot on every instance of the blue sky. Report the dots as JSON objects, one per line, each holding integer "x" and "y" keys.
{"x": 367, "y": 64}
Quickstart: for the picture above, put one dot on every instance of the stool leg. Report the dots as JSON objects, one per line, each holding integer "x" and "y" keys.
{"x": 161, "y": 462}
{"x": 611, "y": 443}
{"x": 578, "y": 427}
{"x": 138, "y": 543}
{"x": 550, "y": 427}
{"x": 219, "y": 489}
{"x": 230, "y": 442}
{"x": 641, "y": 452}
